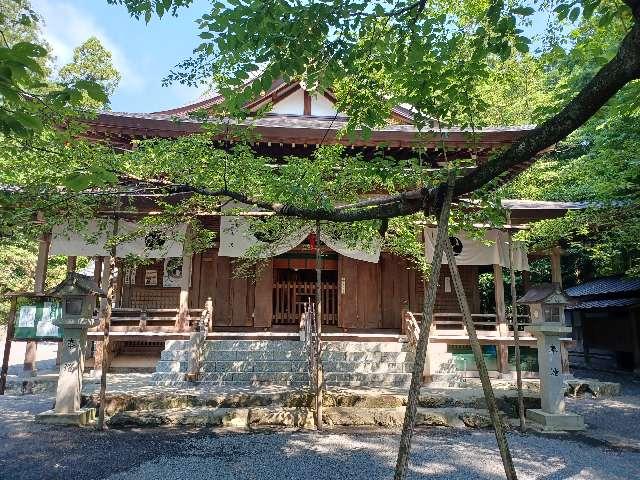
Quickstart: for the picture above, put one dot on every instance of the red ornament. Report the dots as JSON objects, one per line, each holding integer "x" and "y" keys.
{"x": 312, "y": 241}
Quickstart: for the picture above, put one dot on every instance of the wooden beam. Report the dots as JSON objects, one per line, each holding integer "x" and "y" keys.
{"x": 307, "y": 103}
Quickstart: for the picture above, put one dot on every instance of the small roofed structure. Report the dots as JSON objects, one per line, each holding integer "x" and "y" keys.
{"x": 78, "y": 284}
{"x": 546, "y": 302}
{"x": 605, "y": 318}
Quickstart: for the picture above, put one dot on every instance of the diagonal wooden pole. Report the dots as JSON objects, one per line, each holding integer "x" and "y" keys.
{"x": 423, "y": 340}
{"x": 319, "y": 374}
{"x": 501, "y": 438}
{"x": 516, "y": 335}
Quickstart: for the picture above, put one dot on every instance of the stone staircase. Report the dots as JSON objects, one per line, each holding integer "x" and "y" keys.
{"x": 284, "y": 362}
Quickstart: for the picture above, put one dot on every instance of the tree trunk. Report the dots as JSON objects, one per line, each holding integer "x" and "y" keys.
{"x": 501, "y": 438}
{"x": 423, "y": 339}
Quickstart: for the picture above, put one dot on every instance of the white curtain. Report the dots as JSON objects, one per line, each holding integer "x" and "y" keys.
{"x": 90, "y": 240}
{"x": 474, "y": 252}
{"x": 236, "y": 239}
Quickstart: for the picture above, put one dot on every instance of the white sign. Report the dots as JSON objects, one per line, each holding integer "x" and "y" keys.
{"x": 45, "y": 327}
{"x": 172, "y": 276}
{"x": 151, "y": 278}
{"x": 27, "y": 316}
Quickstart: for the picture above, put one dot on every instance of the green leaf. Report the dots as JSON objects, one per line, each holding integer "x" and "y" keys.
{"x": 524, "y": 11}
{"x": 77, "y": 182}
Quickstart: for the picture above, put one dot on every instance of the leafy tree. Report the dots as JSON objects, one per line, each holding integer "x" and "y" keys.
{"x": 92, "y": 62}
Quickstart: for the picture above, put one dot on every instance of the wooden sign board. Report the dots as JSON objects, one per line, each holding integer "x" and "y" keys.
{"x": 34, "y": 319}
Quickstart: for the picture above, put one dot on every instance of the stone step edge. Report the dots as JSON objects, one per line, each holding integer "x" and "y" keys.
{"x": 292, "y": 398}
{"x": 300, "y": 417}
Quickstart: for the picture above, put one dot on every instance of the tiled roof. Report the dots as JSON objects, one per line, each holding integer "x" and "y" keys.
{"x": 607, "y": 303}
{"x": 602, "y": 286}
{"x": 304, "y": 122}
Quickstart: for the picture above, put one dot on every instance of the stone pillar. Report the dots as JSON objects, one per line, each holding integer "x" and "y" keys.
{"x": 67, "y": 407}
{"x": 29, "y": 368}
{"x": 502, "y": 349}
{"x": 552, "y": 415}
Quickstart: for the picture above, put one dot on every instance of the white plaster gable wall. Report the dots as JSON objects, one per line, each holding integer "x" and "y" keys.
{"x": 293, "y": 104}
{"x": 321, "y": 106}
{"x": 290, "y": 105}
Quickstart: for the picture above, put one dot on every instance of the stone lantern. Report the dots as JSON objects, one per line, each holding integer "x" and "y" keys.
{"x": 546, "y": 305}
{"x": 77, "y": 294}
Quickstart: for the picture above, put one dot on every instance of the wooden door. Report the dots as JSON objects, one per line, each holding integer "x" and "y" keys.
{"x": 264, "y": 297}
{"x": 359, "y": 294}
{"x": 234, "y": 297}
{"x": 395, "y": 289}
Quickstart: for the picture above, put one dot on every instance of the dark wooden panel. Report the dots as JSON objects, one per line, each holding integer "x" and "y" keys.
{"x": 348, "y": 297}
{"x": 369, "y": 298}
{"x": 207, "y": 278}
{"x": 264, "y": 297}
{"x": 194, "y": 290}
{"x": 395, "y": 289}
{"x": 222, "y": 305}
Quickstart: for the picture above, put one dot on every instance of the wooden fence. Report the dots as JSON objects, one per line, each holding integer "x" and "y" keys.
{"x": 289, "y": 299}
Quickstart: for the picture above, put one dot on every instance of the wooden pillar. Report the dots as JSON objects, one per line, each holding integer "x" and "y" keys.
{"x": 556, "y": 277}
{"x": 556, "y": 272}
{"x": 97, "y": 269}
{"x": 72, "y": 263}
{"x": 40, "y": 277}
{"x": 182, "y": 322}
{"x": 635, "y": 331}
{"x": 7, "y": 344}
{"x": 105, "y": 274}
{"x": 502, "y": 349}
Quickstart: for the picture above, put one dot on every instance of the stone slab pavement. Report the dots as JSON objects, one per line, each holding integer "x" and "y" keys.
{"x": 30, "y": 451}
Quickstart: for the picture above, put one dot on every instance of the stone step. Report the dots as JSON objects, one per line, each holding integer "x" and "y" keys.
{"x": 167, "y": 366}
{"x": 367, "y": 367}
{"x": 176, "y": 345}
{"x": 259, "y": 355}
{"x": 368, "y": 379}
{"x": 174, "y": 355}
{"x": 300, "y": 417}
{"x": 391, "y": 357}
{"x": 345, "y": 346}
{"x": 255, "y": 366}
{"x": 253, "y": 345}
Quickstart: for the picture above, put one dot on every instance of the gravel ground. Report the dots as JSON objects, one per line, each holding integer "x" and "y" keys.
{"x": 30, "y": 451}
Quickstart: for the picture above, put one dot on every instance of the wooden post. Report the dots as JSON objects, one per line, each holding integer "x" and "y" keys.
{"x": 103, "y": 279}
{"x": 40, "y": 277}
{"x": 108, "y": 275}
{"x": 423, "y": 340}
{"x": 72, "y": 264}
{"x": 556, "y": 277}
{"x": 208, "y": 305}
{"x": 556, "y": 271}
{"x": 182, "y": 322}
{"x": 7, "y": 344}
{"x": 516, "y": 335}
{"x": 502, "y": 349}
{"x": 501, "y": 438}
{"x": 635, "y": 340}
{"x": 318, "y": 350}
{"x": 97, "y": 269}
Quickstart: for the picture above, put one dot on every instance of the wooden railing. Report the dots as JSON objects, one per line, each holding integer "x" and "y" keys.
{"x": 451, "y": 324}
{"x": 289, "y": 299}
{"x": 158, "y": 320}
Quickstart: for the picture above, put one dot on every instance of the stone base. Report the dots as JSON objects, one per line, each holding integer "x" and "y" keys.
{"x": 556, "y": 422}
{"x": 79, "y": 418}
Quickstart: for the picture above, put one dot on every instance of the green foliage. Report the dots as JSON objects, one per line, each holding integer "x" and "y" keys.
{"x": 91, "y": 68}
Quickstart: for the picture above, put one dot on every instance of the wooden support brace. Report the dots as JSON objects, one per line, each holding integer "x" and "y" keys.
{"x": 423, "y": 340}
{"x": 501, "y": 438}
